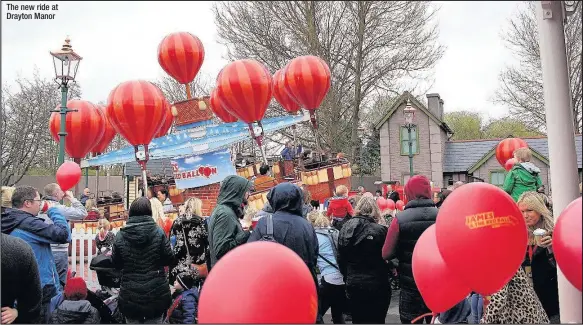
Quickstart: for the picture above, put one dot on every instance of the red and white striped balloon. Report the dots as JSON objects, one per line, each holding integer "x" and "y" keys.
{"x": 281, "y": 94}
{"x": 505, "y": 149}
{"x": 307, "y": 80}
{"x": 181, "y": 56}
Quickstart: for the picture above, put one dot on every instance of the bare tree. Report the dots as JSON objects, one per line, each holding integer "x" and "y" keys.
{"x": 175, "y": 92}
{"x": 521, "y": 87}
{"x": 25, "y": 140}
{"x": 370, "y": 46}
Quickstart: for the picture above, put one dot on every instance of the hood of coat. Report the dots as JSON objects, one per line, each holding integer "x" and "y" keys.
{"x": 70, "y": 311}
{"x": 530, "y": 167}
{"x": 140, "y": 230}
{"x": 233, "y": 190}
{"x": 286, "y": 197}
{"x": 12, "y": 218}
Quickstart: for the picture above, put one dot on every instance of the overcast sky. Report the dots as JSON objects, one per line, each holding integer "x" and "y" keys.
{"x": 118, "y": 41}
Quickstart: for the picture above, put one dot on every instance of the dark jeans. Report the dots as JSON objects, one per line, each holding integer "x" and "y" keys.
{"x": 369, "y": 305}
{"x": 477, "y": 303}
{"x": 331, "y": 296}
{"x": 62, "y": 264}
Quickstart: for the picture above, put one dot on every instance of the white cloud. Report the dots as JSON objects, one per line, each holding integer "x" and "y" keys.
{"x": 192, "y": 160}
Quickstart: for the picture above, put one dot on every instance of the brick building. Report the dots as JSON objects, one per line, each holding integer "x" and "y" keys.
{"x": 440, "y": 159}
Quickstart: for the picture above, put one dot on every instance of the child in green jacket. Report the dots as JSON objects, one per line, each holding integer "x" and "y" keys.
{"x": 524, "y": 176}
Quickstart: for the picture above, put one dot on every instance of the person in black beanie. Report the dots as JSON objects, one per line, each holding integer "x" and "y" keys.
{"x": 184, "y": 307}
{"x": 20, "y": 283}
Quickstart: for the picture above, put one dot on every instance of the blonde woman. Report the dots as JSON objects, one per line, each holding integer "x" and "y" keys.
{"x": 159, "y": 217}
{"x": 104, "y": 238}
{"x": 331, "y": 292}
{"x": 7, "y": 196}
{"x": 191, "y": 236}
{"x": 539, "y": 263}
{"x": 360, "y": 246}
{"x": 524, "y": 176}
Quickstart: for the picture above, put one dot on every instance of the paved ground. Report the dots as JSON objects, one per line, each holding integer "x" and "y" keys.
{"x": 392, "y": 314}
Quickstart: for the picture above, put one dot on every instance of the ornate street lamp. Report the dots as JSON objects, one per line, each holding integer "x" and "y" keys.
{"x": 66, "y": 63}
{"x": 409, "y": 114}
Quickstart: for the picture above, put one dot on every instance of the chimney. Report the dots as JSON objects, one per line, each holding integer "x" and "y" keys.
{"x": 435, "y": 105}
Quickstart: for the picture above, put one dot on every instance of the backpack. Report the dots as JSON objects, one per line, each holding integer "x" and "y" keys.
{"x": 332, "y": 234}
{"x": 269, "y": 235}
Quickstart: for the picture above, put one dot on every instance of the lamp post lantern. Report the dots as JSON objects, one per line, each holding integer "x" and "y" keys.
{"x": 66, "y": 63}
{"x": 409, "y": 114}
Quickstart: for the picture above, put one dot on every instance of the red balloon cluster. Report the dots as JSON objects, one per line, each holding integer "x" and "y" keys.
{"x": 385, "y": 204}
{"x": 509, "y": 164}
{"x": 400, "y": 205}
{"x": 84, "y": 127}
{"x": 260, "y": 282}
{"x": 245, "y": 88}
{"x": 181, "y": 56}
{"x": 136, "y": 110}
{"x": 108, "y": 134}
{"x": 567, "y": 243}
{"x": 282, "y": 96}
{"x": 505, "y": 149}
{"x": 68, "y": 175}
{"x": 219, "y": 110}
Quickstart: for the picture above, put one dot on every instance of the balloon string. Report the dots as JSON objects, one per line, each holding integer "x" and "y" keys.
{"x": 188, "y": 93}
{"x": 424, "y": 315}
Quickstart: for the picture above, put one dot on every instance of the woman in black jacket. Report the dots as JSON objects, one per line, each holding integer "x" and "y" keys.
{"x": 360, "y": 243}
{"x": 539, "y": 263}
{"x": 141, "y": 251}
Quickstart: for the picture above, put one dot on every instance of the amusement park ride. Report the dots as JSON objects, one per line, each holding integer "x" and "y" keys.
{"x": 138, "y": 111}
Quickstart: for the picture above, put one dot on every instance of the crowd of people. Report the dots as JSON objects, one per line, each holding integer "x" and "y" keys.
{"x": 355, "y": 252}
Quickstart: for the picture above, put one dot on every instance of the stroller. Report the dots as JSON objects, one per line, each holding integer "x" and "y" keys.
{"x": 109, "y": 279}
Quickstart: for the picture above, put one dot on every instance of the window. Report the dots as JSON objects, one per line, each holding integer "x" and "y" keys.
{"x": 405, "y": 141}
{"x": 497, "y": 177}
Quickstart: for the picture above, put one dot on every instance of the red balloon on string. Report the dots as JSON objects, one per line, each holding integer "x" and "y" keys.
{"x": 505, "y": 149}
{"x": 136, "y": 110}
{"x": 400, "y": 205}
{"x": 492, "y": 220}
{"x": 108, "y": 133}
{"x": 68, "y": 175}
{"x": 567, "y": 243}
{"x": 260, "y": 282}
{"x": 509, "y": 164}
{"x": 307, "y": 80}
{"x": 181, "y": 55}
{"x": 439, "y": 286}
{"x": 167, "y": 121}
{"x": 84, "y": 128}
{"x": 219, "y": 110}
{"x": 282, "y": 96}
{"x": 244, "y": 88}
{"x": 391, "y": 205}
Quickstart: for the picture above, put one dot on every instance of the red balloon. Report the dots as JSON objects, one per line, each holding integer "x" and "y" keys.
{"x": 68, "y": 175}
{"x": 391, "y": 205}
{"x": 181, "y": 56}
{"x": 167, "y": 121}
{"x": 477, "y": 224}
{"x": 282, "y": 96}
{"x": 382, "y": 203}
{"x": 307, "y": 79}
{"x": 136, "y": 110}
{"x": 245, "y": 87}
{"x": 84, "y": 127}
{"x": 509, "y": 164}
{"x": 505, "y": 149}
{"x": 108, "y": 133}
{"x": 400, "y": 205}
{"x": 439, "y": 286}
{"x": 260, "y": 282}
{"x": 219, "y": 110}
{"x": 567, "y": 243}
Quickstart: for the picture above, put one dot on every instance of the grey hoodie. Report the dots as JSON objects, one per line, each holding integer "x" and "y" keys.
{"x": 530, "y": 167}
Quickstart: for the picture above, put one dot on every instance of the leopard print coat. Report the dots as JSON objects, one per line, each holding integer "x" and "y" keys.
{"x": 515, "y": 303}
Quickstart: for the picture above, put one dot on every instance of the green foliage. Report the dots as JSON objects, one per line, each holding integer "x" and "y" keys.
{"x": 470, "y": 126}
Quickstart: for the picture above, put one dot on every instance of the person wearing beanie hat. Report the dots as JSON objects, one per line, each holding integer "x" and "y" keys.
{"x": 405, "y": 229}
{"x": 184, "y": 309}
{"x": 75, "y": 309}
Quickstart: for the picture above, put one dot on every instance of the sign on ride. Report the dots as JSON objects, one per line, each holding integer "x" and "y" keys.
{"x": 201, "y": 170}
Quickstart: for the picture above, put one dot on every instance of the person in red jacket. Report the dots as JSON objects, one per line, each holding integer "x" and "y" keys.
{"x": 339, "y": 208}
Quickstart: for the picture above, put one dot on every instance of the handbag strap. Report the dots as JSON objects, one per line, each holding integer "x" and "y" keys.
{"x": 328, "y": 261}
{"x": 185, "y": 243}
{"x": 173, "y": 307}
{"x": 269, "y": 226}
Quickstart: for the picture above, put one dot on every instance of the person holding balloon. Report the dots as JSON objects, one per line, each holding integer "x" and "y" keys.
{"x": 360, "y": 244}
{"x": 524, "y": 175}
{"x": 540, "y": 264}
{"x": 405, "y": 229}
